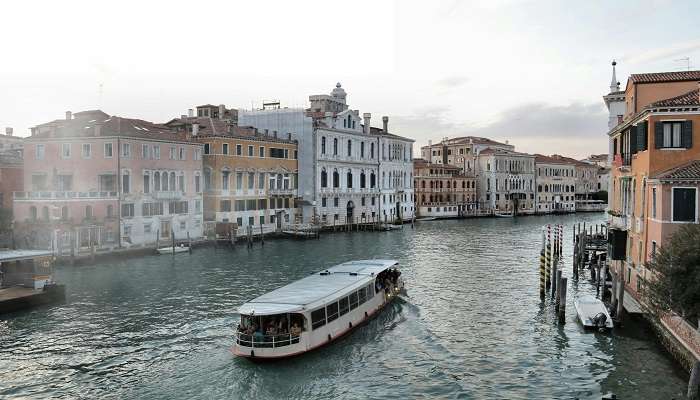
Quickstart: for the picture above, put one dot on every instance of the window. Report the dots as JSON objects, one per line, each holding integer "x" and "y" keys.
{"x": 371, "y": 150}
{"x": 239, "y": 150}
{"x": 335, "y": 202}
{"x": 151, "y": 209}
{"x": 156, "y": 152}
{"x": 353, "y": 300}
{"x": 370, "y": 291}
{"x": 261, "y": 180}
{"x": 361, "y": 295}
{"x": 32, "y": 213}
{"x": 240, "y": 205}
{"x": 40, "y": 150}
{"x": 343, "y": 306}
{"x": 278, "y": 153}
{"x": 251, "y": 180}
{"x": 198, "y": 207}
{"x": 110, "y": 211}
{"x": 261, "y": 152}
{"x": 177, "y": 207}
{"x": 125, "y": 183}
{"x": 127, "y": 210}
{"x": 144, "y": 151}
{"x": 335, "y": 146}
{"x": 224, "y": 180}
{"x": 181, "y": 183}
{"x": 349, "y": 147}
{"x": 108, "y": 150}
{"x": 323, "y": 145}
{"x": 336, "y": 178}
{"x": 684, "y": 203}
{"x": 173, "y": 153}
{"x": 332, "y": 312}
{"x": 239, "y": 180}
{"x": 362, "y": 149}
{"x": 324, "y": 202}
{"x": 197, "y": 154}
{"x": 64, "y": 182}
{"x": 65, "y": 150}
{"x": 197, "y": 187}
{"x": 146, "y": 182}
{"x": 349, "y": 179}
{"x": 207, "y": 148}
{"x": 318, "y": 318}
{"x": 88, "y": 212}
{"x": 672, "y": 135}
{"x": 250, "y": 151}
{"x": 87, "y": 150}
{"x": 207, "y": 179}
{"x": 126, "y": 150}
{"x": 653, "y": 202}
{"x": 146, "y": 228}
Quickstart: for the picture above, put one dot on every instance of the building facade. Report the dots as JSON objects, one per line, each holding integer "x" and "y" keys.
{"x": 443, "y": 191}
{"x": 461, "y": 151}
{"x": 556, "y": 185}
{"x": 98, "y": 180}
{"x": 249, "y": 178}
{"x": 343, "y": 175}
{"x": 506, "y": 181}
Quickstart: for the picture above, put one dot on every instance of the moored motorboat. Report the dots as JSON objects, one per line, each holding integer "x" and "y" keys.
{"x": 592, "y": 313}
{"x": 426, "y": 219}
{"x": 169, "y": 250}
{"x": 504, "y": 215}
{"x": 315, "y": 310}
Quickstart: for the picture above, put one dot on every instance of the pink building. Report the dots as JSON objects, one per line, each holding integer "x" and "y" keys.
{"x": 97, "y": 180}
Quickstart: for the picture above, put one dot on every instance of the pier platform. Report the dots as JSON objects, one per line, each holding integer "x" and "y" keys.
{"x": 18, "y": 297}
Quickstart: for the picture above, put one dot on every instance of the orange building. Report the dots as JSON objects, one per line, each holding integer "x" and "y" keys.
{"x": 655, "y": 173}
{"x": 443, "y": 190}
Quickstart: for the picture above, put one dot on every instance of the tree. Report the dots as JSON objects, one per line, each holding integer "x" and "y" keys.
{"x": 675, "y": 285}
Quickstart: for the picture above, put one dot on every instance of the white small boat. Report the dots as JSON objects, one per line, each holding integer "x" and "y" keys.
{"x": 504, "y": 215}
{"x": 391, "y": 227}
{"x": 426, "y": 219}
{"x": 592, "y": 313}
{"x": 169, "y": 250}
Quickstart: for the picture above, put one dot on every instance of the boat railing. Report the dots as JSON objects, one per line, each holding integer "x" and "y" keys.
{"x": 265, "y": 341}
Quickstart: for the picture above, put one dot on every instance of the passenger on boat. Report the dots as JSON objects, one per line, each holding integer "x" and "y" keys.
{"x": 296, "y": 330}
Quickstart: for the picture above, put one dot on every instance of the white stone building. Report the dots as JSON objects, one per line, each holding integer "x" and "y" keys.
{"x": 340, "y": 161}
{"x": 556, "y": 185}
{"x": 506, "y": 181}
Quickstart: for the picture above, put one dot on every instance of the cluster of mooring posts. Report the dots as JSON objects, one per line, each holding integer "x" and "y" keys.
{"x": 551, "y": 279}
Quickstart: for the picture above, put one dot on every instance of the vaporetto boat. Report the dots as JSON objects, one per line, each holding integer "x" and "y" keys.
{"x": 315, "y": 310}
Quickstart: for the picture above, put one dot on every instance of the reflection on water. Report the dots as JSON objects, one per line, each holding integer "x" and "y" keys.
{"x": 471, "y": 326}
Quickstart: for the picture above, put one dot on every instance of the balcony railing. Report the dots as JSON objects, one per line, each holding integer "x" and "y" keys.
{"x": 63, "y": 195}
{"x": 276, "y": 191}
{"x": 167, "y": 195}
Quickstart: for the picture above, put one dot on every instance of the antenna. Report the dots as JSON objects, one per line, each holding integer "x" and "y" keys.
{"x": 686, "y": 60}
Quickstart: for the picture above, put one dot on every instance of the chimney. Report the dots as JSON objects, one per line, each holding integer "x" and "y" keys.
{"x": 190, "y": 113}
{"x": 69, "y": 115}
{"x": 98, "y": 129}
{"x": 385, "y": 120}
{"x": 8, "y": 131}
{"x": 222, "y": 111}
{"x": 367, "y": 117}
{"x": 195, "y": 129}
{"x": 289, "y": 135}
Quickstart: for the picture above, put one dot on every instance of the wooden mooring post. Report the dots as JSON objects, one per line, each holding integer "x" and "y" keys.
{"x": 172, "y": 237}
{"x": 262, "y": 236}
{"x": 189, "y": 243}
{"x": 557, "y": 288}
{"x": 548, "y": 256}
{"x": 562, "y": 301}
{"x": 542, "y": 267}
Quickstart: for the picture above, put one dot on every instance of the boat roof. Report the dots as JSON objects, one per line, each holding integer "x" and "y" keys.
{"x": 18, "y": 255}
{"x": 316, "y": 289}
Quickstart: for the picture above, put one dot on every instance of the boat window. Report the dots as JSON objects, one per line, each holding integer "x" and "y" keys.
{"x": 318, "y": 318}
{"x": 344, "y": 305}
{"x": 362, "y": 295}
{"x": 353, "y": 300}
{"x": 370, "y": 291}
{"x": 332, "y": 312}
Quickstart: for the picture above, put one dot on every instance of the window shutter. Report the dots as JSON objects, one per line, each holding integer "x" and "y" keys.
{"x": 633, "y": 139}
{"x": 687, "y": 134}
{"x": 658, "y": 135}
{"x": 642, "y": 136}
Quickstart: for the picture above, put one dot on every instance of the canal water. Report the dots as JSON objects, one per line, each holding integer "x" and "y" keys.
{"x": 471, "y": 326}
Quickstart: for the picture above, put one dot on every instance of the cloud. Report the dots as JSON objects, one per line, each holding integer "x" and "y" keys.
{"x": 576, "y": 129}
{"x": 662, "y": 52}
{"x": 452, "y": 82}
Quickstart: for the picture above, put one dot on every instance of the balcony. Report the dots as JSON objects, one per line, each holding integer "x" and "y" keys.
{"x": 621, "y": 222}
{"x": 63, "y": 195}
{"x": 167, "y": 195}
{"x": 282, "y": 192}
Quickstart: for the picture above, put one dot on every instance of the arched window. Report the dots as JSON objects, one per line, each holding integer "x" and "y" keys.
{"x": 422, "y": 198}
{"x": 372, "y": 180}
{"x": 88, "y": 212}
{"x": 371, "y": 150}
{"x": 279, "y": 181}
{"x": 362, "y": 180}
{"x": 464, "y": 184}
{"x": 349, "y": 179}
{"x": 156, "y": 181}
{"x": 45, "y": 213}
{"x": 172, "y": 181}
{"x": 336, "y": 179}
{"x": 32, "y": 213}
{"x": 539, "y": 188}
{"x": 64, "y": 213}
{"x": 422, "y": 184}
{"x": 448, "y": 184}
{"x": 324, "y": 178}
{"x": 349, "y": 148}
{"x": 335, "y": 146}
{"x": 323, "y": 145}
{"x": 546, "y": 188}
{"x": 164, "y": 181}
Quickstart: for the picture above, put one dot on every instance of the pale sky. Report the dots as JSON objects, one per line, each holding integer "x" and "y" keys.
{"x": 531, "y": 72}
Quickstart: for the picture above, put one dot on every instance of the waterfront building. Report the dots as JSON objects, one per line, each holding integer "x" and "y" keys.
{"x": 443, "y": 190}
{"x": 461, "y": 151}
{"x": 11, "y": 176}
{"x": 654, "y": 173}
{"x": 250, "y": 177}
{"x": 10, "y": 142}
{"x": 506, "y": 181}
{"x": 340, "y": 161}
{"x": 556, "y": 182}
{"x": 93, "y": 179}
